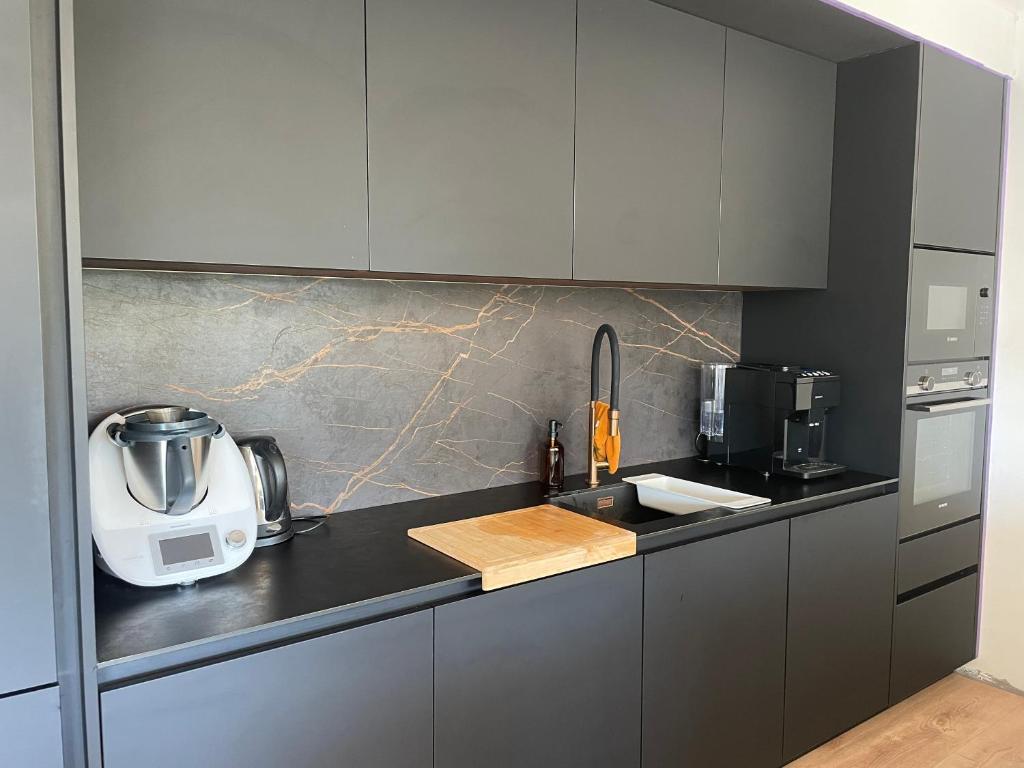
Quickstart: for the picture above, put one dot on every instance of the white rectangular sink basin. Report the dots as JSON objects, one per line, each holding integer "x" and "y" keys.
{"x": 679, "y": 497}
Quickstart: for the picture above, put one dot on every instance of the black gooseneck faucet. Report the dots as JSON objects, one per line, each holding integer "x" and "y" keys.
{"x": 593, "y": 465}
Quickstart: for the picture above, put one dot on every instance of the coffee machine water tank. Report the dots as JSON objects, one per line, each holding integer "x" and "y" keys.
{"x": 712, "y": 400}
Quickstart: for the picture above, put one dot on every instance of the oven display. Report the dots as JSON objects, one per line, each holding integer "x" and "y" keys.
{"x": 184, "y": 549}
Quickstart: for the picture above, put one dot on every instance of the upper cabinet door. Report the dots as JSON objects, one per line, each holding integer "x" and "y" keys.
{"x": 649, "y": 89}
{"x": 959, "y": 154}
{"x": 26, "y": 602}
{"x": 776, "y": 165}
{"x": 470, "y": 107}
{"x": 222, "y": 131}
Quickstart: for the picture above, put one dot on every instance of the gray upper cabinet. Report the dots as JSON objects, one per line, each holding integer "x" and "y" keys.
{"x": 959, "y": 154}
{"x": 470, "y": 127}
{"x": 776, "y": 165}
{"x": 361, "y": 697}
{"x": 26, "y": 602}
{"x": 649, "y": 90}
{"x": 542, "y": 674}
{"x": 222, "y": 131}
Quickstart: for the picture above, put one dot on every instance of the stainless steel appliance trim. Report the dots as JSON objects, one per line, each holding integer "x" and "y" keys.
{"x": 959, "y": 405}
{"x": 950, "y": 386}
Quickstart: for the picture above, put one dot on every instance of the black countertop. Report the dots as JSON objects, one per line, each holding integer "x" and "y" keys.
{"x": 361, "y": 566}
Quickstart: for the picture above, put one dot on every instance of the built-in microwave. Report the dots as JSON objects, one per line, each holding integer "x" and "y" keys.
{"x": 944, "y": 439}
{"x": 951, "y": 298}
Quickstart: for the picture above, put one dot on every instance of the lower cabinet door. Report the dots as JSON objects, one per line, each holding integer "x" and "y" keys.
{"x": 934, "y": 634}
{"x": 715, "y": 651}
{"x": 361, "y": 697}
{"x": 30, "y": 735}
{"x": 841, "y": 594}
{"x": 542, "y": 674}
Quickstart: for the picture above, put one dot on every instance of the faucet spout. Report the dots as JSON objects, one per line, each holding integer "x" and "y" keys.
{"x": 593, "y": 464}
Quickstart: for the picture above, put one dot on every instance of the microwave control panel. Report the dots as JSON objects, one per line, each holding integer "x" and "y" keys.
{"x": 930, "y": 378}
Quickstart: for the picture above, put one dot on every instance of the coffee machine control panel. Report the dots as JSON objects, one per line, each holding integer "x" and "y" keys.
{"x": 932, "y": 378}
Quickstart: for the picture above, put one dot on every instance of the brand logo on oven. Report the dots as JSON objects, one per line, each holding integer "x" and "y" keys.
{"x": 952, "y": 339}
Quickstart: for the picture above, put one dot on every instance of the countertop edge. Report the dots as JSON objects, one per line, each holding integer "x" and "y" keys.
{"x": 128, "y": 670}
{"x": 651, "y": 542}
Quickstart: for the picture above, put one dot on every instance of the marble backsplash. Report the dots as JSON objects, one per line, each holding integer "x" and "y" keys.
{"x": 381, "y": 391}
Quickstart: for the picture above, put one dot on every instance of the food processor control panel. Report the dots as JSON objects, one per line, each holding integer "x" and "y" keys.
{"x": 190, "y": 550}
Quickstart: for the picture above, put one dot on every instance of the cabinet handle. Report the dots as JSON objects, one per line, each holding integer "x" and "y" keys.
{"x": 959, "y": 405}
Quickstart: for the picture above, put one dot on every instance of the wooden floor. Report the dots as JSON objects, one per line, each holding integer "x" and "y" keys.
{"x": 957, "y": 723}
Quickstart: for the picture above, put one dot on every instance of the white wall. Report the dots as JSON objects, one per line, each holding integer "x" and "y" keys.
{"x": 982, "y": 30}
{"x": 990, "y": 32}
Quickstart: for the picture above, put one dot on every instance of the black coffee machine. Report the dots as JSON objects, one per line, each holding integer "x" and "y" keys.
{"x": 774, "y": 420}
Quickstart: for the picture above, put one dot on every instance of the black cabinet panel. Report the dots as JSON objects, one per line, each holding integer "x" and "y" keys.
{"x": 222, "y": 131}
{"x": 715, "y": 651}
{"x": 841, "y": 594}
{"x": 776, "y": 165}
{"x": 959, "y": 154}
{"x": 543, "y": 674}
{"x": 934, "y": 634}
{"x": 470, "y": 125}
{"x": 649, "y": 89}
{"x": 361, "y": 697}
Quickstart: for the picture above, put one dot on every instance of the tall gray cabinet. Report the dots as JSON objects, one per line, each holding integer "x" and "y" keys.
{"x": 776, "y": 165}
{"x": 30, "y": 727}
{"x": 649, "y": 90}
{"x": 224, "y": 131}
{"x": 470, "y": 129}
{"x": 26, "y": 602}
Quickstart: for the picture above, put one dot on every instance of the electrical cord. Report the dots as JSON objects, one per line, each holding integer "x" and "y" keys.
{"x": 320, "y": 520}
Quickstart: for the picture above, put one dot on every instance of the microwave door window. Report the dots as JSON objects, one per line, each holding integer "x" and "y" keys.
{"x": 944, "y": 457}
{"x": 947, "y": 308}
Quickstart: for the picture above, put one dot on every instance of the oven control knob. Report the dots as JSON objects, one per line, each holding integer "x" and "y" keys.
{"x": 927, "y": 383}
{"x": 235, "y": 539}
{"x": 973, "y": 378}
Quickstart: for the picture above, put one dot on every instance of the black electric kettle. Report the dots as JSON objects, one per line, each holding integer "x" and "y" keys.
{"x": 269, "y": 479}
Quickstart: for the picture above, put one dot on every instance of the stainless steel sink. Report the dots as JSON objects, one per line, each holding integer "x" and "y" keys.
{"x": 614, "y": 503}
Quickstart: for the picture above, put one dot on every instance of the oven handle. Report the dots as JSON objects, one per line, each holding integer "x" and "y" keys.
{"x": 958, "y": 405}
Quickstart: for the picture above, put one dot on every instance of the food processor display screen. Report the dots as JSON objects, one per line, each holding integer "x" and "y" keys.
{"x": 183, "y": 549}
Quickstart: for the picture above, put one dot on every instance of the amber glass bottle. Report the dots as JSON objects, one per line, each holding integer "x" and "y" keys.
{"x": 552, "y": 460}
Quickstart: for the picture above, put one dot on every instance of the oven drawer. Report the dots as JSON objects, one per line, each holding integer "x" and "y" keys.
{"x": 937, "y": 555}
{"x": 933, "y": 635}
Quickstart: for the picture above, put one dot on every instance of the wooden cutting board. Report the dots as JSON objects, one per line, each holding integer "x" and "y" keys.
{"x": 524, "y": 544}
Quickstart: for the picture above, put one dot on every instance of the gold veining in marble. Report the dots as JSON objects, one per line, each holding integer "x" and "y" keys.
{"x": 380, "y": 391}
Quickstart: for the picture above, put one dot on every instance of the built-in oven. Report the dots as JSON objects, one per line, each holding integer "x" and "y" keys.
{"x": 944, "y": 438}
{"x": 951, "y": 298}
